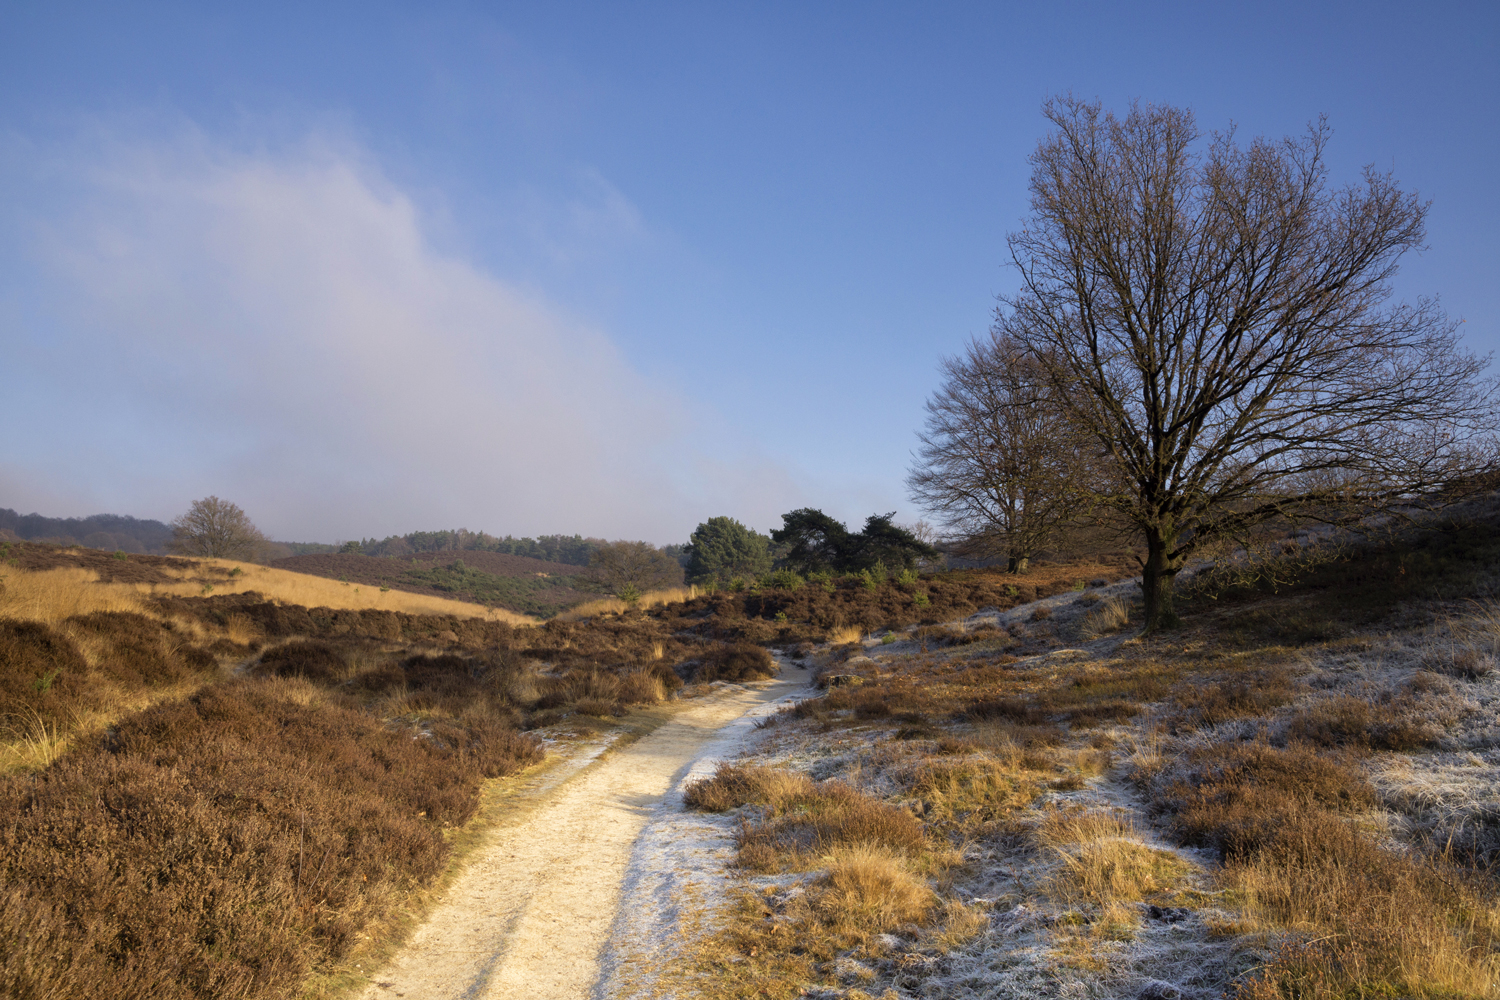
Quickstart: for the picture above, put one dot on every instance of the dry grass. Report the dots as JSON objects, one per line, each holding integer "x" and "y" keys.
{"x": 1380, "y": 923}
{"x": 35, "y": 742}
{"x": 1105, "y": 866}
{"x": 867, "y": 890}
{"x": 802, "y": 819}
{"x": 845, "y": 634}
{"x": 1107, "y": 618}
{"x": 50, "y": 596}
{"x": 971, "y": 793}
{"x": 320, "y": 592}
{"x": 613, "y": 605}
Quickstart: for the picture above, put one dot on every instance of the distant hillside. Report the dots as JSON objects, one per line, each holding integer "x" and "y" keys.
{"x": 517, "y": 583}
{"x": 557, "y": 555}
{"x": 113, "y": 532}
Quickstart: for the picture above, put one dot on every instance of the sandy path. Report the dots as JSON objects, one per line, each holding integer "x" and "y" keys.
{"x": 530, "y": 914}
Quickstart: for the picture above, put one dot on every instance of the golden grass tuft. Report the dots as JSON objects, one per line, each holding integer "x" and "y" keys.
{"x": 613, "y": 605}
{"x": 34, "y": 743}
{"x": 1109, "y": 617}
{"x": 736, "y": 785}
{"x": 1104, "y": 863}
{"x": 969, "y": 792}
{"x": 846, "y": 634}
{"x": 868, "y": 890}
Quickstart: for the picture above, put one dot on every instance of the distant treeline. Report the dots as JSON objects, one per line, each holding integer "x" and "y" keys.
{"x": 572, "y": 550}
{"x": 113, "y": 532}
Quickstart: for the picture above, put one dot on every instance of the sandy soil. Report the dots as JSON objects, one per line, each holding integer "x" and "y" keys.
{"x": 532, "y": 912}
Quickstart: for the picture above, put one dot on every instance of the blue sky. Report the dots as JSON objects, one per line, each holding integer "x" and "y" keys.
{"x": 608, "y": 269}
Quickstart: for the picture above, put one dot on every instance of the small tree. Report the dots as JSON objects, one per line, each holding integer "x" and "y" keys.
{"x": 816, "y": 542}
{"x": 635, "y": 567}
{"x": 217, "y": 529}
{"x": 1001, "y": 463}
{"x": 722, "y": 548}
{"x": 883, "y": 543}
{"x": 1216, "y": 320}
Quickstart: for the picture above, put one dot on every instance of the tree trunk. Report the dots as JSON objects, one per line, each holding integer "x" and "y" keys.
{"x": 1018, "y": 564}
{"x": 1157, "y": 578}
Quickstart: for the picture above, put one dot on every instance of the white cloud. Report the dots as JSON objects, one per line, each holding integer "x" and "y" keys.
{"x": 279, "y": 329}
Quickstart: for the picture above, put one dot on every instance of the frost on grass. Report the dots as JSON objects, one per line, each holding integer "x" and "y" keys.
{"x": 1103, "y": 816}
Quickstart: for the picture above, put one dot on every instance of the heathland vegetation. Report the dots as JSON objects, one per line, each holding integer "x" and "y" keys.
{"x": 1285, "y": 797}
{"x": 1050, "y": 777}
{"x": 228, "y": 778}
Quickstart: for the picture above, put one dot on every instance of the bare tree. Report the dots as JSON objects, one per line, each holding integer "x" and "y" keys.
{"x": 639, "y": 566}
{"x": 1217, "y": 318}
{"x": 1000, "y": 463}
{"x": 217, "y": 529}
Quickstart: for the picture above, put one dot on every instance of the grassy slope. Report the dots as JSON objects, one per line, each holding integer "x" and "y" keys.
{"x": 520, "y": 584}
{"x": 1289, "y": 796}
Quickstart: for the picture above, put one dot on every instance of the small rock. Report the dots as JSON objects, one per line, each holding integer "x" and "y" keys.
{"x": 1156, "y": 989}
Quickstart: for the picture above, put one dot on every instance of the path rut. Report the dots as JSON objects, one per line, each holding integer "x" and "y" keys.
{"x": 530, "y": 914}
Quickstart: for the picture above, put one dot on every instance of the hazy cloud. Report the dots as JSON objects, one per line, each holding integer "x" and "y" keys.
{"x": 279, "y": 328}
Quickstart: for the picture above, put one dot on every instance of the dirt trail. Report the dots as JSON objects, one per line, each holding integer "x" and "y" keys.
{"x": 530, "y": 914}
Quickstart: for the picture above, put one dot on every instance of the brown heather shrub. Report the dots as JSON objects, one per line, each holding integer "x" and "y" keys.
{"x": 81, "y": 666}
{"x": 40, "y": 671}
{"x": 1208, "y": 701}
{"x": 735, "y": 785}
{"x": 1093, "y": 696}
{"x": 737, "y": 663}
{"x": 802, "y": 819}
{"x": 314, "y": 660}
{"x": 1346, "y": 721}
{"x": 134, "y": 650}
{"x": 1236, "y": 797}
{"x": 225, "y": 844}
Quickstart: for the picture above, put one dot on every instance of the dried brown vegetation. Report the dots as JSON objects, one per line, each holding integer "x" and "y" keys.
{"x": 1262, "y": 804}
{"x": 217, "y": 795}
{"x": 226, "y": 843}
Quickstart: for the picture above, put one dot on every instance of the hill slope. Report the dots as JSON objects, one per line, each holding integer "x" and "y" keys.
{"x": 517, "y": 583}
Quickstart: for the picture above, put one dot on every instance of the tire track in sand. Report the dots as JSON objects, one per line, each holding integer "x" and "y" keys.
{"x": 531, "y": 912}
